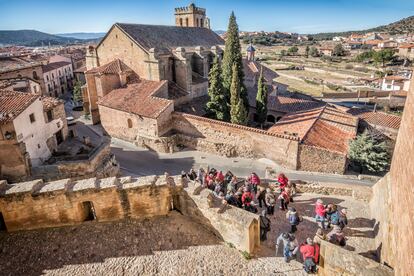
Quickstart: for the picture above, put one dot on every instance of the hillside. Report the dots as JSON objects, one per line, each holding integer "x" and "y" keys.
{"x": 402, "y": 26}
{"x": 32, "y": 38}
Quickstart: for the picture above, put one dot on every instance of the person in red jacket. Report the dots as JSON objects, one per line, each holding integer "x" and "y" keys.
{"x": 254, "y": 179}
{"x": 247, "y": 199}
{"x": 283, "y": 181}
{"x": 320, "y": 214}
{"x": 220, "y": 177}
{"x": 310, "y": 254}
{"x": 284, "y": 199}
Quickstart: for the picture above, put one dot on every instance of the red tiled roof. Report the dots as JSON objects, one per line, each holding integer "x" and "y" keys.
{"x": 138, "y": 98}
{"x": 324, "y": 127}
{"x": 287, "y": 105}
{"x": 251, "y": 70}
{"x": 406, "y": 46}
{"x": 395, "y": 78}
{"x": 114, "y": 67}
{"x": 376, "y": 118}
{"x": 322, "y": 135}
{"x": 13, "y": 103}
{"x": 50, "y": 103}
{"x": 54, "y": 65}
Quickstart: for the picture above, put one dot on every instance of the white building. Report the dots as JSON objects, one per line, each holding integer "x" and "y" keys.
{"x": 23, "y": 121}
{"x": 395, "y": 83}
{"x": 58, "y": 78}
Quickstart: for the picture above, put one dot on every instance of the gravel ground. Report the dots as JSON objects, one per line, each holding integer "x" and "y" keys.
{"x": 169, "y": 245}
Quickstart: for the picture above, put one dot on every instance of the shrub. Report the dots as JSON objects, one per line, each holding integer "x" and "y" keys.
{"x": 349, "y": 66}
{"x": 246, "y": 255}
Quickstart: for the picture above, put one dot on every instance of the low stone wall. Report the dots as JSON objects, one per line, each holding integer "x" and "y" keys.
{"x": 232, "y": 140}
{"x": 362, "y": 94}
{"x": 382, "y": 211}
{"x": 233, "y": 225}
{"x": 37, "y": 204}
{"x": 14, "y": 161}
{"x": 335, "y": 260}
{"x": 101, "y": 163}
{"x": 310, "y": 159}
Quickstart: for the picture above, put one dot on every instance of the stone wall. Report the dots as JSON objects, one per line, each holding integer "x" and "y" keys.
{"x": 402, "y": 191}
{"x": 233, "y": 140}
{"x": 233, "y": 225}
{"x": 335, "y": 260}
{"x": 14, "y": 161}
{"x": 320, "y": 160}
{"x": 382, "y": 212}
{"x": 38, "y": 204}
{"x": 100, "y": 163}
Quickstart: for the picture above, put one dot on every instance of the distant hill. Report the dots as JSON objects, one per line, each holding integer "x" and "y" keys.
{"x": 402, "y": 26}
{"x": 33, "y": 38}
{"x": 220, "y": 32}
{"x": 83, "y": 35}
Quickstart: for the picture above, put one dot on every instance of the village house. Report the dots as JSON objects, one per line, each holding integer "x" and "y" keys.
{"x": 31, "y": 128}
{"x": 395, "y": 83}
{"x": 406, "y": 51}
{"x": 21, "y": 85}
{"x": 58, "y": 78}
{"x": 326, "y": 51}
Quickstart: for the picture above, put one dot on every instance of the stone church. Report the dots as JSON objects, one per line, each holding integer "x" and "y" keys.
{"x": 180, "y": 55}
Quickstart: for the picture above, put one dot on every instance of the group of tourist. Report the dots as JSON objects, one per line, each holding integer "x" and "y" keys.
{"x": 250, "y": 193}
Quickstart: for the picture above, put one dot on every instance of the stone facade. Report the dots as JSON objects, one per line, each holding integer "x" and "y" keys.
{"x": 191, "y": 16}
{"x": 36, "y": 204}
{"x": 311, "y": 159}
{"x": 234, "y": 140}
{"x": 14, "y": 161}
{"x": 34, "y": 72}
{"x": 335, "y": 260}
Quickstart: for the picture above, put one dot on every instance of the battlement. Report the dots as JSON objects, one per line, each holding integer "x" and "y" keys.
{"x": 190, "y": 9}
{"x": 38, "y": 204}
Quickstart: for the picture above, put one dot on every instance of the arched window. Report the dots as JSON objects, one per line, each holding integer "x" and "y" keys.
{"x": 198, "y": 22}
{"x": 35, "y": 75}
{"x": 129, "y": 123}
{"x": 181, "y": 22}
{"x": 271, "y": 119}
{"x": 186, "y": 22}
{"x": 201, "y": 23}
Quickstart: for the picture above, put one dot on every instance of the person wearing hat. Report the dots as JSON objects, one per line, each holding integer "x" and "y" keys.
{"x": 343, "y": 220}
{"x": 290, "y": 245}
{"x": 270, "y": 201}
{"x": 293, "y": 218}
{"x": 310, "y": 254}
{"x": 264, "y": 225}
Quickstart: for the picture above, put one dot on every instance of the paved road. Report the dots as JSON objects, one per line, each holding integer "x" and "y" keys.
{"x": 139, "y": 161}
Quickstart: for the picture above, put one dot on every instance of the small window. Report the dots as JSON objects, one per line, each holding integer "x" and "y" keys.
{"x": 35, "y": 75}
{"x": 47, "y": 77}
{"x": 129, "y": 123}
{"x": 116, "y": 36}
{"x": 89, "y": 211}
{"x": 181, "y": 22}
{"x": 53, "y": 76}
{"x": 38, "y": 146}
{"x": 32, "y": 118}
{"x": 3, "y": 226}
{"x": 49, "y": 115}
{"x": 19, "y": 76}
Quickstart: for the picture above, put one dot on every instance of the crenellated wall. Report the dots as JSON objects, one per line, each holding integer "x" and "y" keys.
{"x": 38, "y": 204}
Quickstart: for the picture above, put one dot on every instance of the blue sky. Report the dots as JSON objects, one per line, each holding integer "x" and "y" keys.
{"x": 303, "y": 16}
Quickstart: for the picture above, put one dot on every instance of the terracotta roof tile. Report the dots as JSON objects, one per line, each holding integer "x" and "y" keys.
{"x": 138, "y": 98}
{"x": 49, "y": 103}
{"x": 376, "y": 118}
{"x": 325, "y": 127}
{"x": 114, "y": 67}
{"x": 54, "y": 65}
{"x": 288, "y": 105}
{"x": 13, "y": 103}
{"x": 252, "y": 70}
{"x": 170, "y": 37}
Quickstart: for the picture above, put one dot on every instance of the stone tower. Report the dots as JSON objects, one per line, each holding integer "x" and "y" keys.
{"x": 191, "y": 16}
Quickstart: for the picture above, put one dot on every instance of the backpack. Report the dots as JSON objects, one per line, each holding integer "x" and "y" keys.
{"x": 335, "y": 218}
{"x": 294, "y": 219}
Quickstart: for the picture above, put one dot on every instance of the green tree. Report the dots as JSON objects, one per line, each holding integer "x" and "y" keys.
{"x": 365, "y": 56}
{"x": 383, "y": 56}
{"x": 338, "y": 50}
{"x": 313, "y": 52}
{"x": 218, "y": 103}
{"x": 232, "y": 55}
{"x": 368, "y": 153}
{"x": 293, "y": 50}
{"x": 77, "y": 92}
{"x": 307, "y": 49}
{"x": 283, "y": 53}
{"x": 238, "y": 112}
{"x": 261, "y": 99}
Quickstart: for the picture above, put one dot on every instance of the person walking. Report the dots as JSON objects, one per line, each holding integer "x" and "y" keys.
{"x": 264, "y": 225}
{"x": 320, "y": 214}
{"x": 310, "y": 255}
{"x": 284, "y": 199}
{"x": 270, "y": 201}
{"x": 293, "y": 218}
{"x": 290, "y": 246}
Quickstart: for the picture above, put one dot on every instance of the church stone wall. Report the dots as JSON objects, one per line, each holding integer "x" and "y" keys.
{"x": 118, "y": 45}
{"x": 233, "y": 140}
{"x": 310, "y": 159}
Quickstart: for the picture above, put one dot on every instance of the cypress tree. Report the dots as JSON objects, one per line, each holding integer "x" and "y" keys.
{"x": 232, "y": 55}
{"x": 217, "y": 105}
{"x": 261, "y": 99}
{"x": 238, "y": 112}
